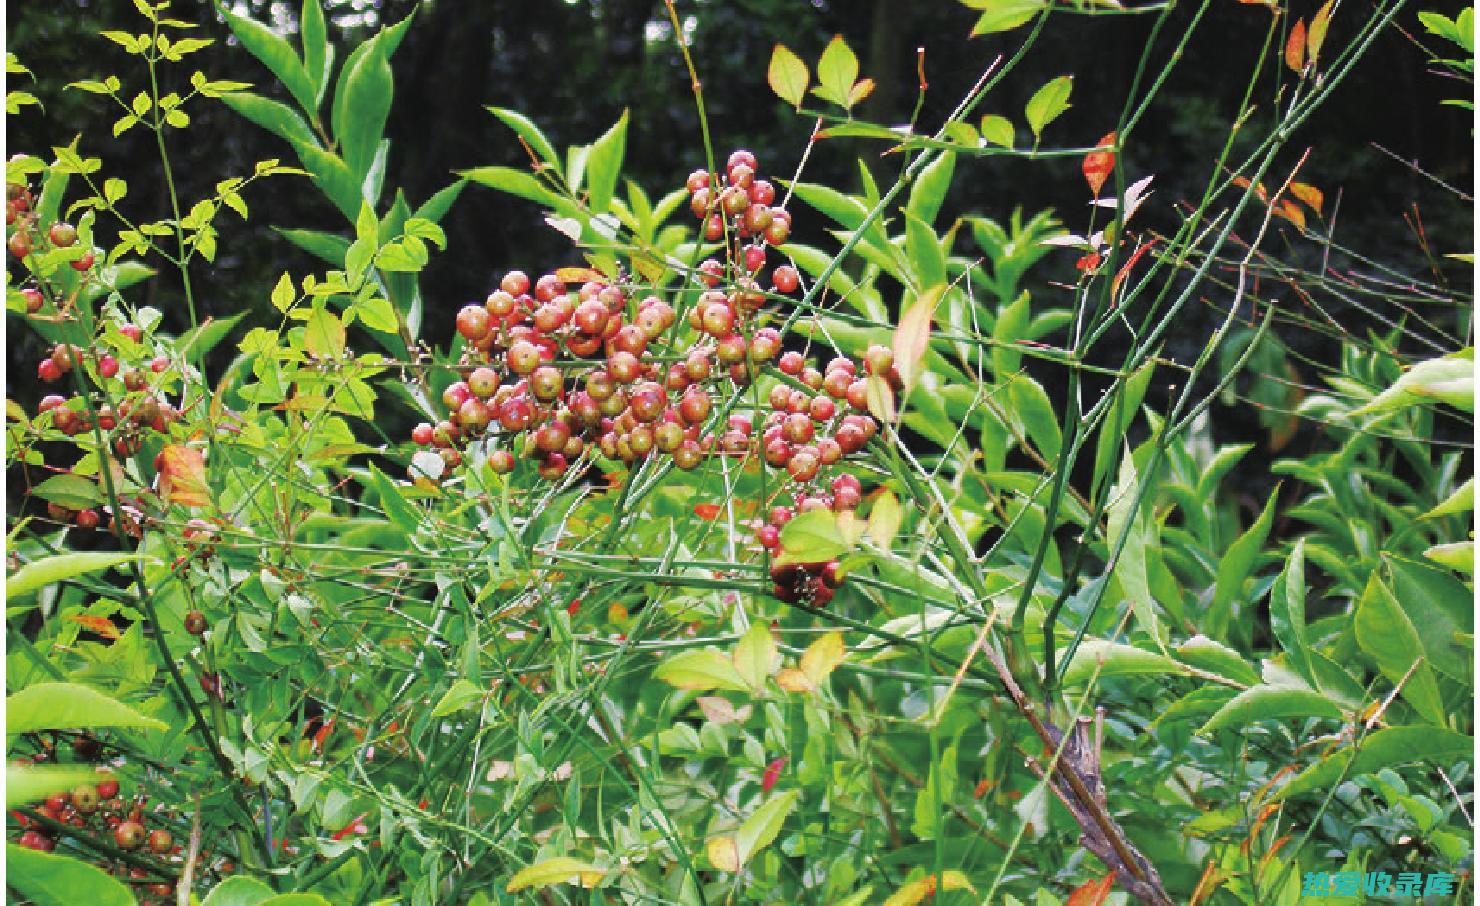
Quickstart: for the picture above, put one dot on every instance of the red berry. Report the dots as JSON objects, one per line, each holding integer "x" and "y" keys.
{"x": 473, "y": 322}
{"x": 697, "y": 180}
{"x": 62, "y": 234}
{"x": 108, "y": 789}
{"x": 740, "y": 158}
{"x": 84, "y": 263}
{"x": 37, "y": 841}
{"x": 19, "y": 244}
{"x": 755, "y": 258}
{"x": 129, "y": 835}
{"x": 48, "y": 371}
{"x": 132, "y": 331}
{"x": 160, "y": 841}
{"x": 107, "y": 366}
{"x": 34, "y": 299}
{"x": 85, "y": 799}
{"x": 523, "y": 357}
{"x": 499, "y": 303}
{"x": 791, "y": 363}
{"x": 548, "y": 287}
{"x": 87, "y": 519}
{"x": 159, "y": 363}
{"x": 456, "y": 394}
{"x": 780, "y": 229}
{"x": 785, "y": 279}
{"x": 515, "y": 283}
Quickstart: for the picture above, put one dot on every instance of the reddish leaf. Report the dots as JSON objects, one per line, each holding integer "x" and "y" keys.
{"x": 912, "y": 336}
{"x": 1295, "y": 47}
{"x": 706, "y": 511}
{"x": 99, "y": 625}
{"x": 1098, "y": 165}
{"x": 1087, "y": 263}
{"x": 1244, "y": 183}
{"x": 1092, "y": 893}
{"x": 1309, "y": 194}
{"x": 773, "y": 774}
{"x": 1126, "y": 269}
{"x": 861, "y": 89}
{"x": 182, "y": 476}
{"x": 356, "y": 826}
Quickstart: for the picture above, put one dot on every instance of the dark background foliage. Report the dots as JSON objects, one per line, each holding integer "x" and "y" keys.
{"x": 573, "y": 66}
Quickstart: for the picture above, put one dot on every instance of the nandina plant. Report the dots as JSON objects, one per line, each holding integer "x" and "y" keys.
{"x": 715, "y": 565}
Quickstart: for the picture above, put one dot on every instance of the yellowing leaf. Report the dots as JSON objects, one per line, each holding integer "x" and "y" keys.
{"x": 885, "y": 519}
{"x": 912, "y": 336}
{"x": 793, "y": 680}
{"x": 754, "y": 653}
{"x": 998, "y": 130}
{"x": 1309, "y": 194}
{"x": 705, "y": 669}
{"x": 283, "y": 294}
{"x": 918, "y": 890}
{"x": 1316, "y": 36}
{"x": 723, "y": 853}
{"x": 559, "y": 870}
{"x": 822, "y": 657}
{"x": 880, "y": 398}
{"x": 860, "y": 90}
{"x": 182, "y": 476}
{"x": 100, "y": 625}
{"x": 720, "y": 711}
{"x": 1295, "y": 47}
{"x": 788, "y": 76}
{"x": 323, "y": 335}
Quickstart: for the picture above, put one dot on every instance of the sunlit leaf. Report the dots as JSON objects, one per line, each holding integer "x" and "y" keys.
{"x": 1098, "y": 165}
{"x": 788, "y": 75}
{"x": 1295, "y": 47}
{"x": 182, "y": 476}
{"x": 559, "y": 870}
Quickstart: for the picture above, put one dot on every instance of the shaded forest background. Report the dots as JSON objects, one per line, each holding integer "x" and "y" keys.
{"x": 574, "y": 65}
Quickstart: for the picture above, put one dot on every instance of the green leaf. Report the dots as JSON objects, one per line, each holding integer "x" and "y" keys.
{"x": 1450, "y": 379}
{"x": 436, "y": 207}
{"x": 837, "y": 70}
{"x": 326, "y": 246}
{"x": 1115, "y": 659}
{"x": 813, "y": 537}
{"x": 754, "y": 654}
{"x": 788, "y": 76}
{"x": 1048, "y": 103}
{"x": 46, "y": 879}
{"x": 1287, "y": 612}
{"x": 274, "y": 116}
{"x": 1441, "y": 608}
{"x": 35, "y": 783}
{"x": 296, "y": 899}
{"x": 238, "y": 891}
{"x": 207, "y": 336}
{"x": 1130, "y": 569}
{"x": 58, "y": 568}
{"x": 998, "y": 130}
{"x": 1458, "y": 555}
{"x": 1386, "y": 748}
{"x": 1005, "y": 15}
{"x": 1214, "y": 657}
{"x": 315, "y": 47}
{"x": 1461, "y": 501}
{"x": 334, "y": 179}
{"x": 515, "y": 182}
{"x": 930, "y": 187}
{"x": 525, "y": 128}
{"x": 927, "y": 259}
{"x": 701, "y": 670}
{"x": 1234, "y": 568}
{"x": 845, "y": 209}
{"x": 284, "y": 294}
{"x": 757, "y": 832}
{"x": 71, "y": 491}
{"x": 359, "y": 117}
{"x": 401, "y": 513}
{"x": 559, "y": 870}
{"x": 1384, "y": 631}
{"x": 461, "y": 695}
{"x": 276, "y": 54}
{"x": 1271, "y": 703}
{"x": 604, "y": 165}
{"x": 69, "y": 706}
{"x": 1031, "y": 404}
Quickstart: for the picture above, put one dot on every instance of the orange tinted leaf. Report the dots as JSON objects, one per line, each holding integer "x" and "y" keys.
{"x": 182, "y": 476}
{"x": 1295, "y": 47}
{"x": 578, "y": 275}
{"x": 1092, "y": 893}
{"x": 1244, "y": 183}
{"x": 99, "y": 625}
{"x": 1098, "y": 165}
{"x": 861, "y": 89}
{"x": 706, "y": 511}
{"x": 1317, "y": 34}
{"x": 912, "y": 336}
{"x": 1291, "y": 212}
{"x": 1309, "y": 194}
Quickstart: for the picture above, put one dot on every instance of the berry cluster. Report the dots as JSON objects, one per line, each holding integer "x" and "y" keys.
{"x": 27, "y": 236}
{"x": 560, "y": 371}
{"x": 100, "y": 810}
